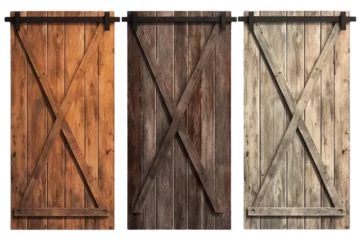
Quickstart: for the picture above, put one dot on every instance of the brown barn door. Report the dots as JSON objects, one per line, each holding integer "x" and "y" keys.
{"x": 62, "y": 120}
{"x": 179, "y": 120}
{"x": 297, "y": 120}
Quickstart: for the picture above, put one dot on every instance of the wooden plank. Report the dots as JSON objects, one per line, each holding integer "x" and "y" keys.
{"x": 274, "y": 119}
{"x": 59, "y": 123}
{"x": 165, "y": 183}
{"x": 342, "y": 123}
{"x": 19, "y": 150}
{"x": 106, "y": 123}
{"x": 149, "y": 123}
{"x": 327, "y": 118}
{"x": 251, "y": 124}
{"x": 91, "y": 119}
{"x": 62, "y": 212}
{"x": 295, "y": 153}
{"x": 312, "y": 118}
{"x": 37, "y": 118}
{"x": 56, "y": 79}
{"x": 267, "y": 119}
{"x": 297, "y": 113}
{"x": 223, "y": 127}
{"x": 208, "y": 124}
{"x": 74, "y": 52}
{"x": 181, "y": 160}
{"x": 195, "y": 199}
{"x": 166, "y": 95}
{"x": 135, "y": 221}
{"x": 301, "y": 211}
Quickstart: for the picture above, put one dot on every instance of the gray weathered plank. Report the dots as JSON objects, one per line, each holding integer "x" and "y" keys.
{"x": 296, "y": 211}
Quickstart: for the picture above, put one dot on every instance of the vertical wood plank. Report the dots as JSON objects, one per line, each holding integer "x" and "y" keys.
{"x": 251, "y": 124}
{"x": 278, "y": 37}
{"x": 295, "y": 154}
{"x": 149, "y": 123}
{"x": 208, "y": 123}
{"x": 266, "y": 120}
{"x": 56, "y": 163}
{"x": 312, "y": 119}
{"x": 19, "y": 104}
{"x": 91, "y": 119}
{"x": 165, "y": 181}
{"x": 74, "y": 51}
{"x": 223, "y": 127}
{"x": 342, "y": 123}
{"x": 37, "y": 118}
{"x": 106, "y": 123}
{"x": 195, "y": 198}
{"x": 181, "y": 160}
{"x": 327, "y": 117}
{"x": 135, "y": 180}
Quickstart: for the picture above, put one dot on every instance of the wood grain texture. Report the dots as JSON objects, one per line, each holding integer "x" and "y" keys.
{"x": 61, "y": 212}
{"x": 91, "y": 122}
{"x": 223, "y": 127}
{"x": 295, "y": 154}
{"x": 135, "y": 138}
{"x": 327, "y": 118}
{"x": 195, "y": 198}
{"x": 177, "y": 124}
{"x": 321, "y": 74}
{"x": 181, "y": 159}
{"x": 208, "y": 123}
{"x": 37, "y": 119}
{"x": 295, "y": 211}
{"x": 64, "y": 59}
{"x": 106, "y": 124}
{"x": 149, "y": 127}
{"x": 19, "y": 113}
{"x": 342, "y": 124}
{"x": 312, "y": 117}
{"x": 56, "y": 78}
{"x": 251, "y": 124}
{"x": 189, "y": 184}
{"x": 164, "y": 181}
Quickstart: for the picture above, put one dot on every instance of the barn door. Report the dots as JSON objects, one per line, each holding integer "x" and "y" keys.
{"x": 179, "y": 120}
{"x": 62, "y": 120}
{"x": 297, "y": 120}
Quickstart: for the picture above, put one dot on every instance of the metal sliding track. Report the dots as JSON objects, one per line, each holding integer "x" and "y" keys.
{"x": 134, "y": 19}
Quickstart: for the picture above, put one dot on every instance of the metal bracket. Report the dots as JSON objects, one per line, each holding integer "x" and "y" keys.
{"x": 134, "y": 21}
{"x": 107, "y": 21}
{"x": 223, "y": 21}
{"x": 251, "y": 21}
{"x": 16, "y": 21}
{"x": 343, "y": 21}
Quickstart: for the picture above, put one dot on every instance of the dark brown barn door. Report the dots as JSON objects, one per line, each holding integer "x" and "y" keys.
{"x": 62, "y": 122}
{"x": 178, "y": 121}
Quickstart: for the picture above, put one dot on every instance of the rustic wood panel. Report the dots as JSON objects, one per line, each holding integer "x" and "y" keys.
{"x": 58, "y": 175}
{"x": 302, "y": 190}
{"x": 168, "y": 192}
{"x": 342, "y": 124}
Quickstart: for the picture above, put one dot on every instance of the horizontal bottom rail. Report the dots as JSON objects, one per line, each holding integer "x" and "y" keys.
{"x": 295, "y": 211}
{"x": 61, "y": 212}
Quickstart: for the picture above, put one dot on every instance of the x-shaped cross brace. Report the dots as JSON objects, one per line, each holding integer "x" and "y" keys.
{"x": 296, "y": 122}
{"x": 60, "y": 112}
{"x": 176, "y": 112}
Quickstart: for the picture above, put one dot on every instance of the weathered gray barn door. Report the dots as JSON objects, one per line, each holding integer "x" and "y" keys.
{"x": 178, "y": 120}
{"x": 297, "y": 120}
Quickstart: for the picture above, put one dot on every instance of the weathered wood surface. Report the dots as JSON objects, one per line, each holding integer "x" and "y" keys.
{"x": 163, "y": 59}
{"x": 291, "y": 81}
{"x": 68, "y": 164}
{"x": 296, "y": 211}
{"x": 61, "y": 212}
